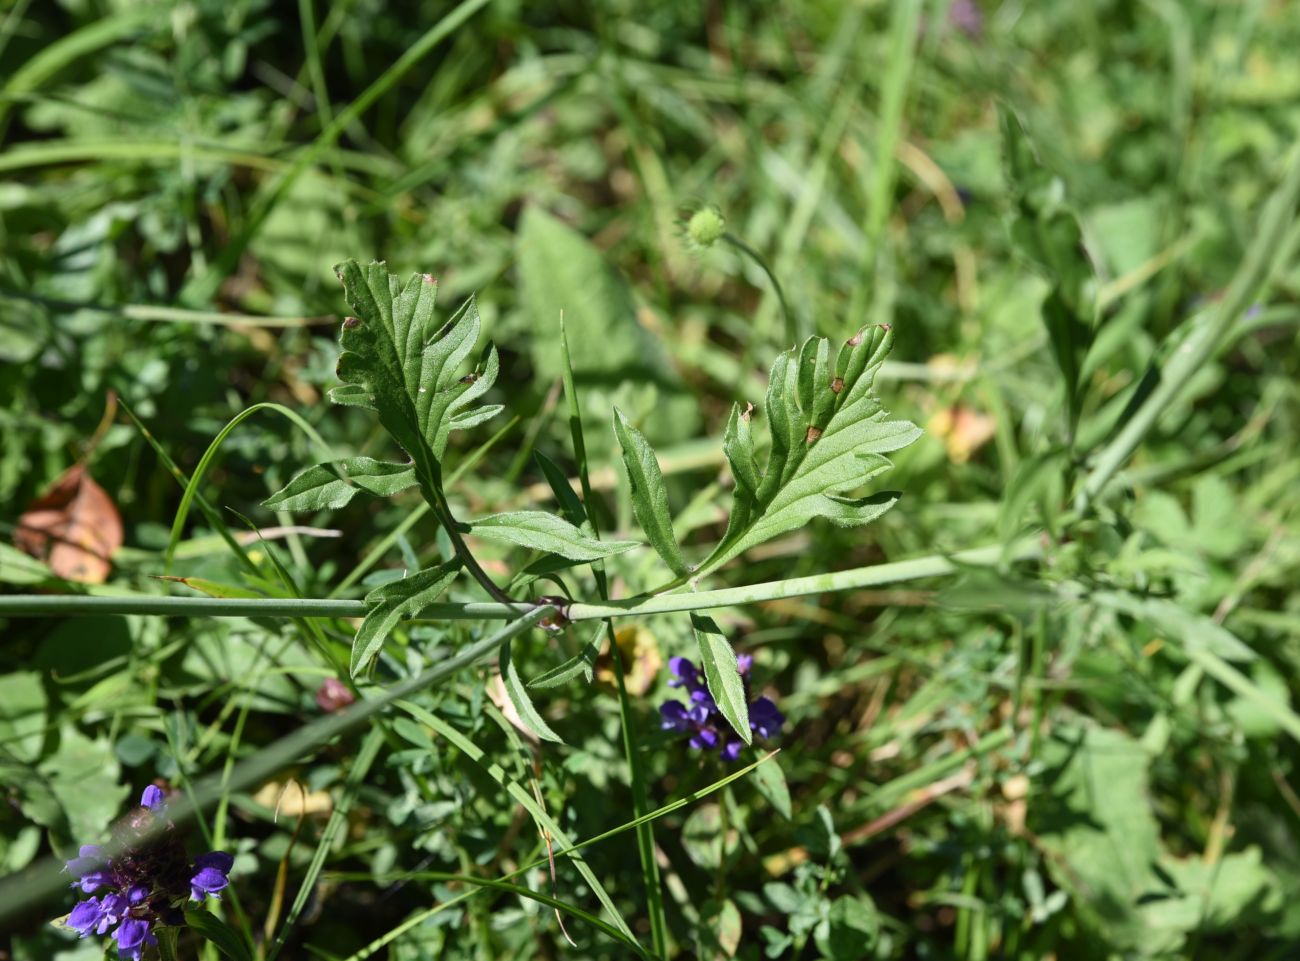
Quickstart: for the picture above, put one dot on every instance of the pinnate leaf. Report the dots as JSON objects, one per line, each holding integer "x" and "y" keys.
{"x": 828, "y": 434}
{"x": 397, "y": 360}
{"x": 390, "y": 603}
{"x": 546, "y": 532}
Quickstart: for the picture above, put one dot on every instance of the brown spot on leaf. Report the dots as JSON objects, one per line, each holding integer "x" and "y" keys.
{"x": 812, "y": 435}
{"x": 837, "y": 385}
{"x": 469, "y": 378}
{"x": 74, "y": 527}
{"x": 748, "y": 413}
{"x": 350, "y": 322}
{"x": 429, "y": 279}
{"x": 855, "y": 339}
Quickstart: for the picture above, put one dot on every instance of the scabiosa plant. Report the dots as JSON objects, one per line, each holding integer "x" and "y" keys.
{"x": 145, "y": 881}
{"x": 700, "y": 718}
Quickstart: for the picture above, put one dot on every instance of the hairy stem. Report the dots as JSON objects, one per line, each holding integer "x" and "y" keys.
{"x": 936, "y": 565}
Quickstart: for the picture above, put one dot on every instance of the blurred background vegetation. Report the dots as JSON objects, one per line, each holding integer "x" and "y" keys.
{"x": 1029, "y": 763}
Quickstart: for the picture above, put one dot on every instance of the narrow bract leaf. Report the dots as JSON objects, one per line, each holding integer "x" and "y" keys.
{"x": 225, "y": 938}
{"x": 769, "y": 779}
{"x": 546, "y": 532}
{"x": 211, "y": 588}
{"x": 390, "y": 603}
{"x": 722, "y": 674}
{"x": 584, "y": 663}
{"x": 326, "y": 486}
{"x": 649, "y": 497}
{"x": 570, "y": 503}
{"x": 520, "y": 699}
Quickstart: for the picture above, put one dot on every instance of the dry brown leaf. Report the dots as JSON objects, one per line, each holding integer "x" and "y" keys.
{"x": 74, "y": 527}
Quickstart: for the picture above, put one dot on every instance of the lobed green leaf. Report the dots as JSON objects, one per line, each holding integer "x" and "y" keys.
{"x": 829, "y": 432}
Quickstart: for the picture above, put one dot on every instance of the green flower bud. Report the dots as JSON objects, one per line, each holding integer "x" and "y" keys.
{"x": 706, "y": 227}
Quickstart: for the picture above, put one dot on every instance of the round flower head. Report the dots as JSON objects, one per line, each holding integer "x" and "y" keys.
{"x": 706, "y": 227}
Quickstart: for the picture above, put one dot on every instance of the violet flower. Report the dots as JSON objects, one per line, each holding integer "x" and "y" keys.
{"x": 143, "y": 884}
{"x": 702, "y": 722}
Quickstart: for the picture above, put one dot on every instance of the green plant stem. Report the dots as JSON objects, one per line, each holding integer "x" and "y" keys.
{"x": 1204, "y": 337}
{"x": 19, "y": 892}
{"x": 791, "y": 324}
{"x": 640, "y": 796}
{"x": 936, "y": 565}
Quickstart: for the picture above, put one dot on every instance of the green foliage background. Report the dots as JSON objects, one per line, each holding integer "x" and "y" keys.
{"x": 1090, "y": 755}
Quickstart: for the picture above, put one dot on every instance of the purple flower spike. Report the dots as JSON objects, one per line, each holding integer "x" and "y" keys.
{"x": 702, "y": 721}
{"x": 210, "y": 874}
{"x": 688, "y": 675}
{"x": 764, "y": 718}
{"x": 132, "y": 936}
{"x": 674, "y": 717}
{"x": 90, "y": 869}
{"x": 154, "y": 799}
{"x": 145, "y": 881}
{"x": 731, "y": 750}
{"x": 85, "y": 916}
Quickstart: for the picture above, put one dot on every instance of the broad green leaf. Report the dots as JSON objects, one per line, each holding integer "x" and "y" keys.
{"x": 828, "y": 432}
{"x": 722, "y": 674}
{"x": 649, "y": 496}
{"x": 225, "y": 938}
{"x": 390, "y": 603}
{"x": 1095, "y": 820}
{"x": 22, "y": 715}
{"x": 397, "y": 359}
{"x": 330, "y": 486}
{"x": 546, "y": 532}
{"x": 720, "y": 928}
{"x": 19, "y": 568}
{"x": 769, "y": 780}
{"x": 849, "y": 930}
{"x": 703, "y": 838}
{"x": 520, "y": 699}
{"x": 1192, "y": 632}
{"x": 78, "y": 787}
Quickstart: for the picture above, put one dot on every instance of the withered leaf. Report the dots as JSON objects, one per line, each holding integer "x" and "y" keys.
{"x": 74, "y": 527}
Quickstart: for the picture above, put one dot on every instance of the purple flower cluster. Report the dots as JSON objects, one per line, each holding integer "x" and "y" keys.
{"x": 144, "y": 883}
{"x": 700, "y": 717}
